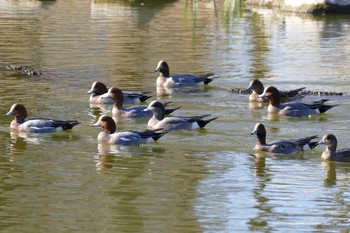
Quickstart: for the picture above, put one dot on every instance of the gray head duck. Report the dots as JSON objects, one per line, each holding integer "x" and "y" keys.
{"x": 282, "y": 146}
{"x": 36, "y": 125}
{"x": 257, "y": 88}
{"x": 180, "y": 80}
{"x": 160, "y": 121}
{"x": 331, "y": 153}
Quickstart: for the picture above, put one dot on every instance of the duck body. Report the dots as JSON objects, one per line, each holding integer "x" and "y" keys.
{"x": 159, "y": 121}
{"x": 99, "y": 95}
{"x": 36, "y": 125}
{"x": 291, "y": 146}
{"x": 129, "y": 112}
{"x": 257, "y": 88}
{"x": 331, "y": 153}
{"x": 179, "y": 80}
{"x": 297, "y": 109}
{"x": 125, "y": 137}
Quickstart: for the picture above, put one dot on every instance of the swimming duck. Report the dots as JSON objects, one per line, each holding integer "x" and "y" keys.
{"x": 331, "y": 152}
{"x": 125, "y": 137}
{"x": 131, "y": 112}
{"x": 281, "y": 146}
{"x": 297, "y": 109}
{"x": 36, "y": 125}
{"x": 257, "y": 89}
{"x": 99, "y": 91}
{"x": 179, "y": 80}
{"x": 159, "y": 121}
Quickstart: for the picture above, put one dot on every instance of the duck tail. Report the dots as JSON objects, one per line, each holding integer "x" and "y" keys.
{"x": 203, "y": 123}
{"x": 158, "y": 134}
{"x": 208, "y": 77}
{"x": 171, "y": 110}
{"x": 305, "y": 142}
{"x": 312, "y": 145}
{"x": 70, "y": 124}
{"x": 145, "y": 97}
{"x": 324, "y": 108}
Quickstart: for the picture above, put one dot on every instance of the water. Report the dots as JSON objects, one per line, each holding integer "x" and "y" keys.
{"x": 206, "y": 180}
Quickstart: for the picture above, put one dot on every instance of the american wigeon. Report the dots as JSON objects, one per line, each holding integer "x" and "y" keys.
{"x": 159, "y": 121}
{"x": 179, "y": 80}
{"x": 281, "y": 146}
{"x": 257, "y": 88}
{"x": 99, "y": 95}
{"x": 131, "y": 112}
{"x": 297, "y": 109}
{"x": 125, "y": 137}
{"x": 331, "y": 152}
{"x": 36, "y": 125}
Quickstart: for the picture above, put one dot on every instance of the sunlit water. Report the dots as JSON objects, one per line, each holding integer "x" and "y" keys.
{"x": 206, "y": 180}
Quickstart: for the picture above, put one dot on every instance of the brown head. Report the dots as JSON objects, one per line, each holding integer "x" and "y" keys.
{"x": 118, "y": 96}
{"x": 163, "y": 68}
{"x": 272, "y": 94}
{"x": 19, "y": 111}
{"x": 256, "y": 86}
{"x": 260, "y": 132}
{"x": 107, "y": 123}
{"x": 330, "y": 141}
{"x": 98, "y": 88}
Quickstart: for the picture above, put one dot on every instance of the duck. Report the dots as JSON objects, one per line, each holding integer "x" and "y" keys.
{"x": 331, "y": 153}
{"x": 282, "y": 146}
{"x": 99, "y": 91}
{"x": 159, "y": 121}
{"x": 296, "y": 109}
{"x": 125, "y": 137}
{"x": 179, "y": 80}
{"x": 257, "y": 88}
{"x": 131, "y": 112}
{"x": 36, "y": 125}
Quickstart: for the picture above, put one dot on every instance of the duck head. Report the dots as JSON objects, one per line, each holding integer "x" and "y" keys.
{"x": 118, "y": 96}
{"x": 163, "y": 68}
{"x": 19, "y": 111}
{"x": 107, "y": 123}
{"x": 98, "y": 88}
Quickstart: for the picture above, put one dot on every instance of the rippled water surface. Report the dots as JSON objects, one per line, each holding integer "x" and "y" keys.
{"x": 208, "y": 180}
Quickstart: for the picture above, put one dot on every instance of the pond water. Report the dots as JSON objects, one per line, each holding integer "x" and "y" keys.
{"x": 208, "y": 180}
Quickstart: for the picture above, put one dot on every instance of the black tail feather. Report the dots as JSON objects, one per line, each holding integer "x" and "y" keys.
{"x": 159, "y": 134}
{"x": 324, "y": 108}
{"x": 145, "y": 97}
{"x": 306, "y": 140}
{"x": 203, "y": 123}
{"x": 69, "y": 124}
{"x": 313, "y": 144}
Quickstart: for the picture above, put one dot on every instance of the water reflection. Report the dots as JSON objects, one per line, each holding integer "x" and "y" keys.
{"x": 139, "y": 9}
{"x": 106, "y": 152}
{"x": 263, "y": 174}
{"x": 331, "y": 175}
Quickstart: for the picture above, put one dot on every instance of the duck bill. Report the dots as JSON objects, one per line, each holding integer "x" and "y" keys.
{"x": 249, "y": 88}
{"x": 262, "y": 96}
{"x": 320, "y": 142}
{"x": 254, "y": 132}
{"x": 97, "y": 124}
{"x": 146, "y": 110}
{"x": 10, "y": 113}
